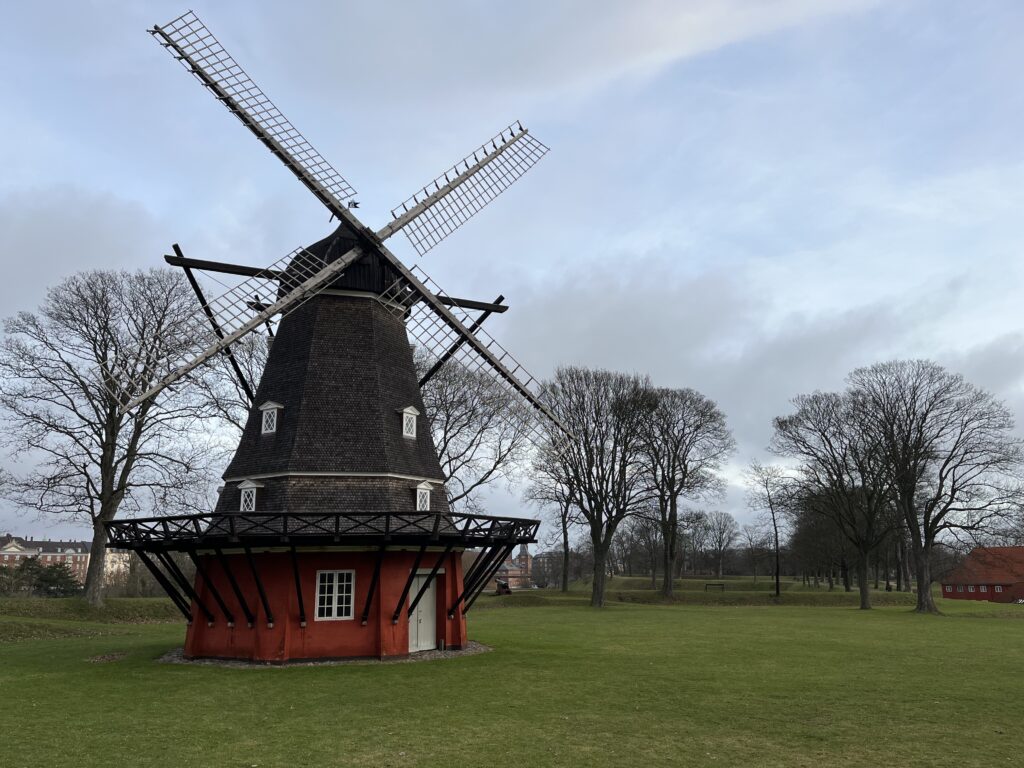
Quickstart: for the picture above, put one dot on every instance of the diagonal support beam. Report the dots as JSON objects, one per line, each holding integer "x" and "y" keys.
{"x": 212, "y": 587}
{"x": 373, "y": 586}
{"x": 298, "y": 294}
{"x": 198, "y": 291}
{"x": 408, "y": 584}
{"x": 430, "y": 578}
{"x": 226, "y": 567}
{"x": 172, "y": 592}
{"x": 259, "y": 588}
{"x": 480, "y": 566}
{"x": 298, "y": 587}
{"x": 172, "y": 568}
{"x": 506, "y": 551}
{"x": 457, "y": 345}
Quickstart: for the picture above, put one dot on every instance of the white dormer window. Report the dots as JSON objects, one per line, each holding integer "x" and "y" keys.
{"x": 423, "y": 497}
{"x": 247, "y": 501}
{"x": 409, "y": 418}
{"x": 270, "y": 411}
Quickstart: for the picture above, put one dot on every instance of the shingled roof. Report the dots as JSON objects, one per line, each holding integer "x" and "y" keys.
{"x": 989, "y": 565}
{"x": 341, "y": 368}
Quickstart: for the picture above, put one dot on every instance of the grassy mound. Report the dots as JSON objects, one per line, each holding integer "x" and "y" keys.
{"x": 118, "y": 610}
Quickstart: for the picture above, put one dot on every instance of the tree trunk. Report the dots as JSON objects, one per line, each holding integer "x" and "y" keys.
{"x": 862, "y": 582}
{"x": 778, "y": 567}
{"x": 844, "y": 572}
{"x": 600, "y": 569}
{"x": 97, "y": 562}
{"x": 565, "y": 552}
{"x": 907, "y": 576}
{"x": 922, "y": 561}
{"x": 670, "y": 545}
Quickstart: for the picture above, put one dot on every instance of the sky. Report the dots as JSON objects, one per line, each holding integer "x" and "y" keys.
{"x": 746, "y": 197}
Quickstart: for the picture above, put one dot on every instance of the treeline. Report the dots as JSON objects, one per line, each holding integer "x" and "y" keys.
{"x": 30, "y": 578}
{"x": 875, "y": 479}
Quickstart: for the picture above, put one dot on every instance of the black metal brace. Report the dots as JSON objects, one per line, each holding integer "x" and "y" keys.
{"x": 175, "y": 572}
{"x": 213, "y": 588}
{"x": 373, "y": 586}
{"x": 408, "y": 584}
{"x": 249, "y": 617}
{"x": 455, "y": 347}
{"x": 506, "y": 551}
{"x": 179, "y": 601}
{"x": 298, "y": 587}
{"x": 259, "y": 588}
{"x": 430, "y": 578}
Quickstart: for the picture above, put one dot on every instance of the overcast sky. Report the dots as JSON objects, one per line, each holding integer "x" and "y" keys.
{"x": 747, "y": 197}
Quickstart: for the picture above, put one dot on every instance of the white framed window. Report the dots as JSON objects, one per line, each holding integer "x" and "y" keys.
{"x": 270, "y": 418}
{"x": 970, "y": 587}
{"x": 410, "y": 417}
{"x": 335, "y": 593}
{"x": 949, "y": 588}
{"x": 423, "y": 497}
{"x": 999, "y": 588}
{"x": 959, "y": 587}
{"x": 983, "y": 587}
{"x": 269, "y": 421}
{"x": 247, "y": 495}
{"x": 248, "y": 500}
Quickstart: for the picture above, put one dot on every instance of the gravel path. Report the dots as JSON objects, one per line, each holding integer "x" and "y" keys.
{"x": 472, "y": 649}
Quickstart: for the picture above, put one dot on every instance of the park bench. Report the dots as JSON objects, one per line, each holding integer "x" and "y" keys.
{"x": 719, "y": 585}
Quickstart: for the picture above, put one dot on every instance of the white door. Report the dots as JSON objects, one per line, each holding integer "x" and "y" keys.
{"x": 423, "y": 622}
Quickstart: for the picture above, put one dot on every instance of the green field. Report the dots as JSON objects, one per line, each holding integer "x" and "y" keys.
{"x": 634, "y": 684}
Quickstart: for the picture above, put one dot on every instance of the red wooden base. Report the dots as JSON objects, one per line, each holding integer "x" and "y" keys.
{"x": 287, "y": 640}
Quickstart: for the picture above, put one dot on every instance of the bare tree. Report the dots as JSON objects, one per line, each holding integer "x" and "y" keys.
{"x": 685, "y": 442}
{"x": 694, "y": 526}
{"x": 65, "y": 372}
{"x": 766, "y": 494}
{"x": 601, "y": 458}
{"x": 553, "y": 494}
{"x": 479, "y": 428}
{"x": 754, "y": 541}
{"x": 842, "y": 473}
{"x": 952, "y": 458}
{"x": 218, "y": 386}
{"x": 722, "y": 534}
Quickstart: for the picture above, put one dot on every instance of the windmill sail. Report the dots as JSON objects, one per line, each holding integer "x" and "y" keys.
{"x": 189, "y": 40}
{"x": 297, "y": 278}
{"x": 444, "y": 332}
{"x": 447, "y": 202}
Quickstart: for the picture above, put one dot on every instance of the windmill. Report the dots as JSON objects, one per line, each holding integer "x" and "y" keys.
{"x": 332, "y": 535}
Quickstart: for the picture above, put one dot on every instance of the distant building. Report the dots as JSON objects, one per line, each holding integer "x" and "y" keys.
{"x": 995, "y": 574}
{"x": 74, "y": 554}
{"x": 546, "y": 569}
{"x": 517, "y": 570}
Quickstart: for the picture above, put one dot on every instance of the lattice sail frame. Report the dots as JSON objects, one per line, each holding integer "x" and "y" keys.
{"x": 429, "y": 330}
{"x": 430, "y": 215}
{"x": 204, "y": 57}
{"x": 451, "y": 199}
{"x": 296, "y": 278}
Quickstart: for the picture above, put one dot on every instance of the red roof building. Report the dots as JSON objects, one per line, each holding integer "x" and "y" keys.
{"x": 995, "y": 574}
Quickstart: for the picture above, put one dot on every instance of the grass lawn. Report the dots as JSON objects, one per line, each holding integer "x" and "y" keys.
{"x": 634, "y": 684}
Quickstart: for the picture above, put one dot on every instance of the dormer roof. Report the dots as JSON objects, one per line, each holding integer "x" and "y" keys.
{"x": 270, "y": 404}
